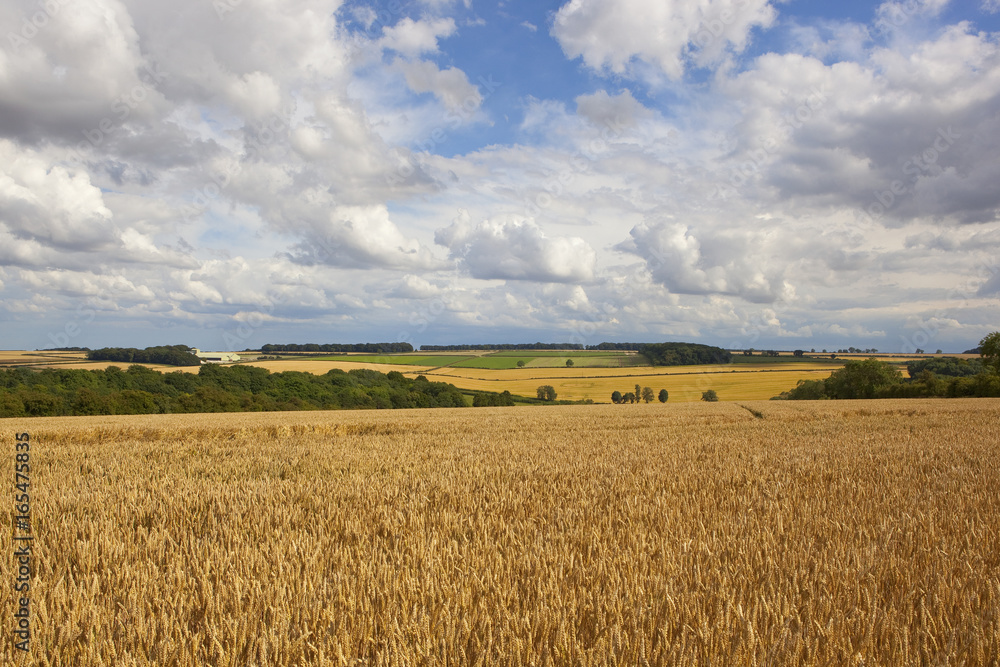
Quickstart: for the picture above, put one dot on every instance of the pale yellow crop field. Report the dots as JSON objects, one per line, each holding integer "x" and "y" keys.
{"x": 27, "y": 357}
{"x": 684, "y": 383}
{"x": 101, "y": 365}
{"x": 646, "y": 371}
{"x": 829, "y": 533}
{"x": 321, "y": 367}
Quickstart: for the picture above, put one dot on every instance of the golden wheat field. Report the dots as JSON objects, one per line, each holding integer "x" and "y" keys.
{"x": 684, "y": 383}
{"x": 834, "y": 533}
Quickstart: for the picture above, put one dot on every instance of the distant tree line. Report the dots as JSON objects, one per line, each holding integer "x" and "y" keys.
{"x": 658, "y": 354}
{"x": 684, "y": 354}
{"x": 769, "y": 353}
{"x": 484, "y": 399}
{"x": 945, "y": 377}
{"x": 945, "y": 366}
{"x": 621, "y": 347}
{"x": 501, "y": 346}
{"x": 369, "y": 348}
{"x": 215, "y": 388}
{"x": 168, "y": 355}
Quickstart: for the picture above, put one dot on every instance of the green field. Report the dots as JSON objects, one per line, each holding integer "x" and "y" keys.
{"x": 499, "y": 362}
{"x": 502, "y": 360}
{"x": 557, "y": 353}
{"x": 432, "y": 360}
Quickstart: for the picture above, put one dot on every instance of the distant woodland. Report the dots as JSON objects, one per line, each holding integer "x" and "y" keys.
{"x": 167, "y": 355}
{"x": 217, "y": 388}
{"x": 339, "y": 348}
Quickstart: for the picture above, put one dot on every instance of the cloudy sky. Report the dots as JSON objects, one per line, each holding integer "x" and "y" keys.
{"x": 747, "y": 173}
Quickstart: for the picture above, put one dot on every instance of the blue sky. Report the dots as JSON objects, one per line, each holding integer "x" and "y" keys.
{"x": 747, "y": 173}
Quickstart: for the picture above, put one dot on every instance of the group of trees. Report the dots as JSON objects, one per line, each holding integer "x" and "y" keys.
{"x": 765, "y": 353}
{"x": 501, "y": 346}
{"x": 369, "y": 348}
{"x": 947, "y": 377}
{"x": 216, "y": 388}
{"x": 484, "y": 399}
{"x": 168, "y": 355}
{"x": 640, "y": 394}
{"x": 684, "y": 354}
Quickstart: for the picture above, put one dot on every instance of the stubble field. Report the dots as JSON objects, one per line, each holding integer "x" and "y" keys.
{"x": 807, "y": 533}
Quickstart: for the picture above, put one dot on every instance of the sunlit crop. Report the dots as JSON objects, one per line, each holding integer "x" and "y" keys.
{"x": 840, "y": 533}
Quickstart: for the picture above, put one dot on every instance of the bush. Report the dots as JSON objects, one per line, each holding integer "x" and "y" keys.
{"x": 709, "y": 396}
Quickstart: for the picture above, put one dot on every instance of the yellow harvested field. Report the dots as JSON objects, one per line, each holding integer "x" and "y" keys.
{"x": 21, "y": 357}
{"x": 321, "y": 367}
{"x": 812, "y": 533}
{"x": 629, "y": 371}
{"x": 684, "y": 383}
{"x": 101, "y": 365}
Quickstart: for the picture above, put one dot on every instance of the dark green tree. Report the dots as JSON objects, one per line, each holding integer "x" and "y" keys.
{"x": 546, "y": 392}
{"x": 664, "y": 395}
{"x": 989, "y": 350}
{"x": 862, "y": 379}
{"x": 709, "y": 396}
{"x": 616, "y": 397}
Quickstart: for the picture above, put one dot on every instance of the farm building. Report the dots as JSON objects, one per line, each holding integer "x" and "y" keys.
{"x": 216, "y": 357}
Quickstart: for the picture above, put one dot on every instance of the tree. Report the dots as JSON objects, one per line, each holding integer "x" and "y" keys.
{"x": 798, "y": 353}
{"x": 709, "y": 396}
{"x": 647, "y": 395}
{"x": 862, "y": 379}
{"x": 638, "y": 393}
{"x": 628, "y": 398}
{"x": 989, "y": 350}
{"x": 664, "y": 395}
{"x": 546, "y": 392}
{"x": 616, "y": 397}
{"x": 520, "y": 363}
{"x": 569, "y": 362}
